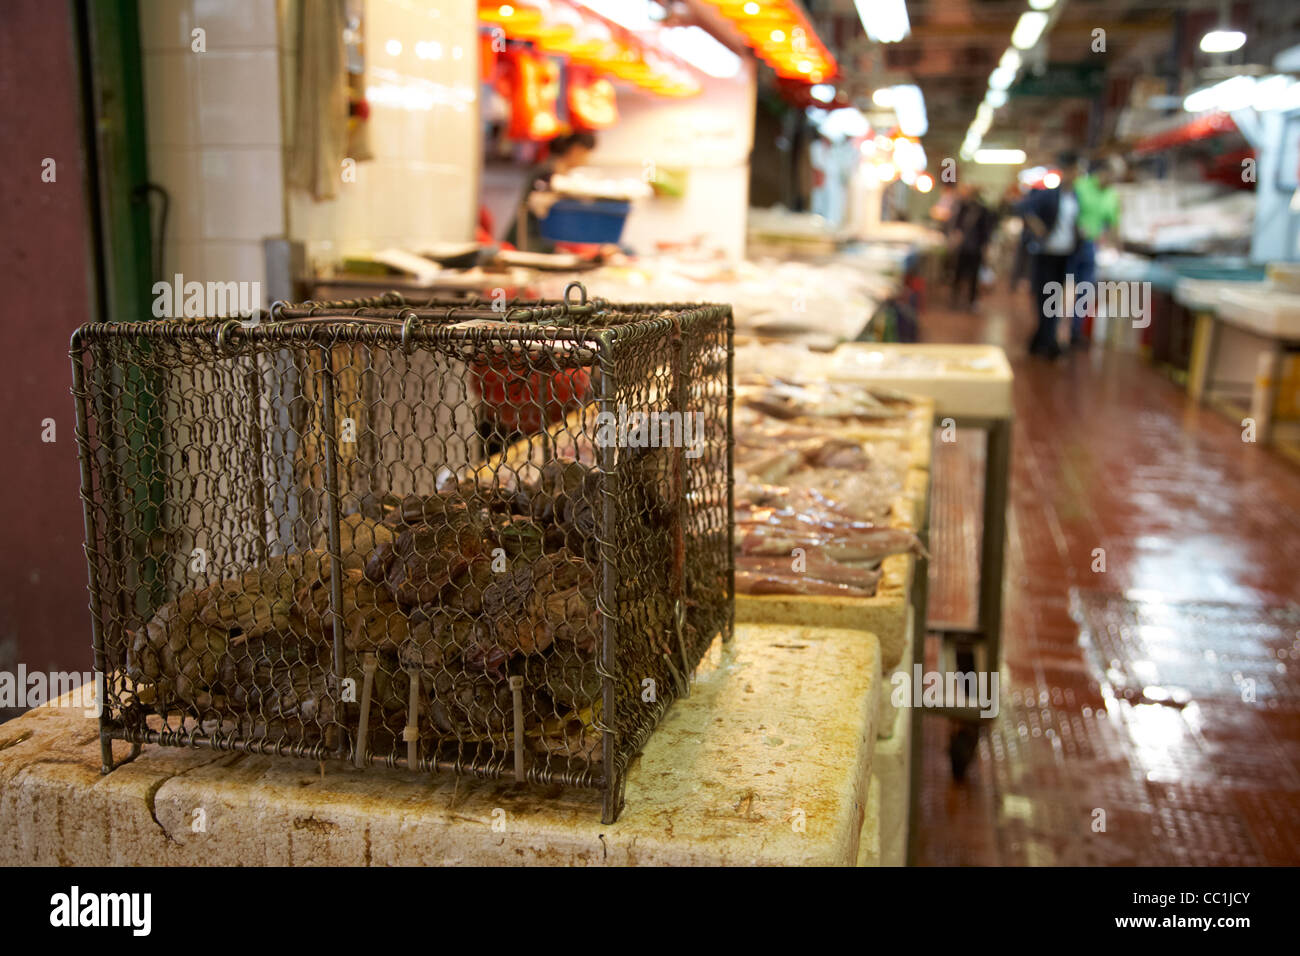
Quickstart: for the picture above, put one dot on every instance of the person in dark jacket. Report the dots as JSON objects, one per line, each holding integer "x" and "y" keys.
{"x": 565, "y": 153}
{"x": 1051, "y": 219}
{"x": 972, "y": 226}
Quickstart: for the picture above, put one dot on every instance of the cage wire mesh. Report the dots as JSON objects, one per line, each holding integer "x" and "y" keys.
{"x": 487, "y": 538}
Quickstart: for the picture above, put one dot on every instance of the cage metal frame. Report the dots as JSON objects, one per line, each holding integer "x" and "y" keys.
{"x": 595, "y": 328}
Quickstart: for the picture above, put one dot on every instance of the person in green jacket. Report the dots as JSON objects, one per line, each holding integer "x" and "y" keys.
{"x": 1098, "y": 215}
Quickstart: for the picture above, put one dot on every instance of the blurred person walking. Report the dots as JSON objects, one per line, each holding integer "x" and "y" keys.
{"x": 1051, "y": 218}
{"x": 971, "y": 228}
{"x": 1098, "y": 217}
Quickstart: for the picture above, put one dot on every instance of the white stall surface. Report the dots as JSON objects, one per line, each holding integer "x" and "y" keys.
{"x": 1203, "y": 295}
{"x": 1262, "y": 310}
{"x": 964, "y": 380}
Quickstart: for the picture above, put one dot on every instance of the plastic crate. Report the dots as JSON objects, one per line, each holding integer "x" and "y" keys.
{"x": 585, "y": 220}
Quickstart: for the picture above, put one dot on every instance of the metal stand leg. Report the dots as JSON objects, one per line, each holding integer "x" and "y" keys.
{"x": 1263, "y": 398}
{"x": 1204, "y": 343}
{"x": 986, "y": 635}
{"x": 997, "y": 485}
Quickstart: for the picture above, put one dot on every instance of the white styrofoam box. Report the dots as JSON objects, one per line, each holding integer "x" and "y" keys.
{"x": 870, "y": 845}
{"x": 888, "y": 717}
{"x": 891, "y": 777}
{"x": 1263, "y": 311}
{"x": 969, "y": 380}
{"x": 1202, "y": 295}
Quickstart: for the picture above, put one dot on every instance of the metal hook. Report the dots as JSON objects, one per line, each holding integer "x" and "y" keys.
{"x": 408, "y": 326}
{"x": 224, "y": 343}
{"x": 582, "y": 289}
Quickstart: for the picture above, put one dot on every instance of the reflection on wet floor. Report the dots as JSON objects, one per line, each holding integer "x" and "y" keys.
{"x": 1151, "y": 697}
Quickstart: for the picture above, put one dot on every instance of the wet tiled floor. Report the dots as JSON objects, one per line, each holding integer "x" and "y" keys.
{"x": 1150, "y": 710}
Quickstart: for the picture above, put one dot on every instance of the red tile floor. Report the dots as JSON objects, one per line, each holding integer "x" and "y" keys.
{"x": 1164, "y": 691}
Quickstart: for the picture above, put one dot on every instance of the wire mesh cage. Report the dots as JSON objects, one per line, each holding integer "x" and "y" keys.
{"x": 491, "y": 538}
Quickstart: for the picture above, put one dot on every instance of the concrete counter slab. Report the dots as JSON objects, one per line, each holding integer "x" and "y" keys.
{"x": 767, "y": 762}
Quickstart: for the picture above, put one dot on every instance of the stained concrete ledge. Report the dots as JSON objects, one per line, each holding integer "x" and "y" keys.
{"x": 767, "y": 762}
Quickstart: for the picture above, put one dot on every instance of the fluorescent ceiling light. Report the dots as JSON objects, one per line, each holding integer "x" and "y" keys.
{"x": 1270, "y": 93}
{"x": 1001, "y": 78}
{"x": 1028, "y": 29}
{"x": 909, "y": 155}
{"x": 1234, "y": 93}
{"x": 1199, "y": 101}
{"x": 909, "y": 104}
{"x": 842, "y": 124}
{"x": 1010, "y": 59}
{"x": 999, "y": 157}
{"x": 1222, "y": 41}
{"x": 701, "y": 49}
{"x": 822, "y": 92}
{"x": 1041, "y": 4}
{"x": 884, "y": 20}
{"x": 996, "y": 98}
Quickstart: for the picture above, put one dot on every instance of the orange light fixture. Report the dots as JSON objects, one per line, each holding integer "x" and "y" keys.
{"x": 780, "y": 34}
{"x": 514, "y": 18}
{"x": 562, "y": 28}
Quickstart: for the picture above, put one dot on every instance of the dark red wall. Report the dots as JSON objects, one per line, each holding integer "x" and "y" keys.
{"x": 44, "y": 295}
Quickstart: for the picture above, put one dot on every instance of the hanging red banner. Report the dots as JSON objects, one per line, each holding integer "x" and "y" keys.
{"x": 592, "y": 101}
{"x": 534, "y": 96}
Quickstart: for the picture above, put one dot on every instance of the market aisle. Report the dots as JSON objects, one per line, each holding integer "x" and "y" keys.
{"x": 1163, "y": 691}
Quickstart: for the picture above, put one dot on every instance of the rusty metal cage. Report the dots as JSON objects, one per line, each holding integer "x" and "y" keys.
{"x": 491, "y": 538}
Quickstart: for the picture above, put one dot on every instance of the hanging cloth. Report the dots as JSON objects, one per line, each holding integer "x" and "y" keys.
{"x": 320, "y": 135}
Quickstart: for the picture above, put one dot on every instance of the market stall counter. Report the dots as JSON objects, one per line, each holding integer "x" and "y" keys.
{"x": 1245, "y": 332}
{"x": 768, "y": 761}
{"x": 966, "y": 387}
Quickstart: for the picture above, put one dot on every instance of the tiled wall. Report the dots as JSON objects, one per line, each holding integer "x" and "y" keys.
{"x": 422, "y": 185}
{"x": 217, "y": 133}
{"x": 214, "y": 133}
